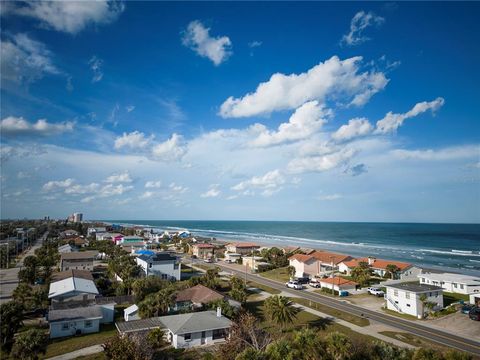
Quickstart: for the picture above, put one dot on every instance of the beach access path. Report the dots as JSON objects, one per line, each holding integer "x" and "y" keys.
{"x": 414, "y": 327}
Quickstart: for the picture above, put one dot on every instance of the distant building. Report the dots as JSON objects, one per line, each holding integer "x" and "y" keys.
{"x": 195, "y": 297}
{"x": 162, "y": 264}
{"x": 203, "y": 251}
{"x": 69, "y": 322}
{"x": 455, "y": 283}
{"x": 406, "y": 271}
{"x": 475, "y": 299}
{"x": 67, "y": 248}
{"x": 406, "y": 298}
{"x": 242, "y": 248}
{"x": 316, "y": 263}
{"x": 338, "y": 284}
{"x": 68, "y": 234}
{"x": 254, "y": 262}
{"x": 95, "y": 230}
{"x": 82, "y": 260}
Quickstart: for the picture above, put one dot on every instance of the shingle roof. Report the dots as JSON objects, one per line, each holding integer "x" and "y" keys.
{"x": 87, "y": 312}
{"x": 198, "y": 294}
{"x": 204, "y": 246}
{"x": 378, "y": 263}
{"x": 139, "y": 325}
{"x": 81, "y": 274}
{"x": 301, "y": 257}
{"x": 195, "y": 322}
{"x": 327, "y": 257}
{"x": 244, "y": 245}
{"x": 79, "y": 255}
{"x": 338, "y": 281}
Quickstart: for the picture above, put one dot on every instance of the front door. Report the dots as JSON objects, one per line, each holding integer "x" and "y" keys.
{"x": 202, "y": 340}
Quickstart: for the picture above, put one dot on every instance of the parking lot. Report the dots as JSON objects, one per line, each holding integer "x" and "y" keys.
{"x": 458, "y": 324}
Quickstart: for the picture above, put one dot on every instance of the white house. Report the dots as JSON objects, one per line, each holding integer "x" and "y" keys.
{"x": 316, "y": 263}
{"x": 95, "y": 230}
{"x": 162, "y": 264}
{"x": 455, "y": 283}
{"x": 131, "y": 313}
{"x": 475, "y": 299}
{"x": 406, "y": 298}
{"x": 338, "y": 284}
{"x": 242, "y": 248}
{"x": 195, "y": 329}
{"x": 72, "y": 285}
{"x": 69, "y": 322}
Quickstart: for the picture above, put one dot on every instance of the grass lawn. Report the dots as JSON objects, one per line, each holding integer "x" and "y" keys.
{"x": 263, "y": 287}
{"x": 449, "y": 298}
{"x": 64, "y": 345}
{"x": 280, "y": 274}
{"x": 357, "y": 320}
{"x": 394, "y": 313}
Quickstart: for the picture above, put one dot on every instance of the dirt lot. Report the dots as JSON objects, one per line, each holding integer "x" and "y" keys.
{"x": 458, "y": 324}
{"x": 367, "y": 301}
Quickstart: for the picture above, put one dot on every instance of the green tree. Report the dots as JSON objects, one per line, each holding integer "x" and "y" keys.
{"x": 211, "y": 278}
{"x": 238, "y": 291}
{"x": 391, "y": 271}
{"x": 29, "y": 344}
{"x": 291, "y": 271}
{"x": 456, "y": 355}
{"x": 157, "y": 304}
{"x": 227, "y": 309}
{"x": 123, "y": 348}
{"x": 251, "y": 354}
{"x": 426, "y": 354}
{"x": 11, "y": 315}
{"x": 156, "y": 338}
{"x": 308, "y": 345}
{"x": 148, "y": 285}
{"x": 280, "y": 310}
{"x": 338, "y": 346}
{"x": 23, "y": 295}
{"x": 362, "y": 273}
{"x": 280, "y": 350}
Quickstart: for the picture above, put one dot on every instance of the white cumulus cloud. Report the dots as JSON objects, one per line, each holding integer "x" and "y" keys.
{"x": 212, "y": 192}
{"x": 153, "y": 184}
{"x": 305, "y": 121}
{"x": 332, "y": 77}
{"x": 445, "y": 154}
{"x": 360, "y": 22}
{"x": 391, "y": 122}
{"x": 268, "y": 184}
{"x": 68, "y": 16}
{"x": 19, "y": 126}
{"x": 58, "y": 184}
{"x": 355, "y": 127}
{"x": 320, "y": 163}
{"x": 123, "y": 177}
{"x": 96, "y": 65}
{"x": 170, "y": 150}
{"x": 133, "y": 140}
{"x": 197, "y": 37}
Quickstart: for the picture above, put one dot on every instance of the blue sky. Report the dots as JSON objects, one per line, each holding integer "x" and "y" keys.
{"x": 278, "y": 111}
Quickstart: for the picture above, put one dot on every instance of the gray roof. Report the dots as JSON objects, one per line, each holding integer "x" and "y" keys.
{"x": 195, "y": 322}
{"x": 139, "y": 325}
{"x": 161, "y": 256}
{"x": 79, "y": 255}
{"x": 81, "y": 313}
{"x": 415, "y": 287}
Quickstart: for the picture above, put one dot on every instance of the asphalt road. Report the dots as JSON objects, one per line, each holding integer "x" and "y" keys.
{"x": 440, "y": 337}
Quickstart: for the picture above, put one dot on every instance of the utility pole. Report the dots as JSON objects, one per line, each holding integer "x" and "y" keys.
{"x": 333, "y": 278}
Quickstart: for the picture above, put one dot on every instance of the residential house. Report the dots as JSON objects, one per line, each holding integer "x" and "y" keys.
{"x": 107, "y": 236}
{"x": 131, "y": 313}
{"x": 96, "y": 230}
{"x": 82, "y": 260}
{"x": 338, "y": 284}
{"x": 406, "y": 298}
{"x": 131, "y": 239}
{"x": 68, "y": 233}
{"x": 69, "y": 322}
{"x": 162, "y": 264}
{"x": 406, "y": 271}
{"x": 72, "y": 285}
{"x": 79, "y": 242}
{"x": 475, "y": 299}
{"x": 232, "y": 257}
{"x": 316, "y": 263}
{"x": 195, "y": 297}
{"x": 455, "y": 283}
{"x": 132, "y": 246}
{"x": 202, "y": 251}
{"x": 196, "y": 329}
{"x": 244, "y": 248}
{"x": 254, "y": 262}
{"x": 67, "y": 248}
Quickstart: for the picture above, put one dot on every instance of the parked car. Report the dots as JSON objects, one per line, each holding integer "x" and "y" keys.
{"x": 303, "y": 280}
{"x": 474, "y": 314}
{"x": 292, "y": 284}
{"x": 466, "y": 309}
{"x": 208, "y": 260}
{"x": 375, "y": 291}
{"x": 314, "y": 284}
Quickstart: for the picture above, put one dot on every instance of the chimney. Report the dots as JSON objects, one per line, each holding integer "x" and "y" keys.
{"x": 371, "y": 260}
{"x": 219, "y": 311}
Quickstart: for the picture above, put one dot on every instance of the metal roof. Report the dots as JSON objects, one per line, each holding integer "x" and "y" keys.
{"x": 80, "y": 313}
{"x": 195, "y": 322}
{"x": 414, "y": 287}
{"x": 139, "y": 325}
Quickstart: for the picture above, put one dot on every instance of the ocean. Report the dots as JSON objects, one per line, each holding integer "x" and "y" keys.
{"x": 450, "y": 247}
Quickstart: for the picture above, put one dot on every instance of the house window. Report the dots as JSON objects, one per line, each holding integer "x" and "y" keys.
{"x": 164, "y": 277}
{"x": 455, "y": 285}
{"x": 150, "y": 265}
{"x": 88, "y": 323}
{"x": 461, "y": 286}
{"x": 187, "y": 337}
{"x": 218, "y": 334}
{"x": 65, "y": 326}
{"x": 423, "y": 280}
{"x": 407, "y": 296}
{"x": 395, "y": 292}
{"x": 175, "y": 266}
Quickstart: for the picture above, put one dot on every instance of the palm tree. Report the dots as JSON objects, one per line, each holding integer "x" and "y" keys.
{"x": 362, "y": 272}
{"x": 280, "y": 310}
{"x": 307, "y": 345}
{"x": 339, "y": 346}
{"x": 291, "y": 271}
{"x": 29, "y": 344}
{"x": 423, "y": 299}
{"x": 11, "y": 314}
{"x": 391, "y": 271}
{"x": 280, "y": 350}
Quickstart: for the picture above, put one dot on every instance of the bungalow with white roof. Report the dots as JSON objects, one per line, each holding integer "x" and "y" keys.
{"x": 162, "y": 264}
{"x": 406, "y": 298}
{"x": 405, "y": 271}
{"x": 72, "y": 285}
{"x": 455, "y": 283}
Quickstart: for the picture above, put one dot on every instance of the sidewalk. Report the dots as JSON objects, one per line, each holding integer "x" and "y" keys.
{"x": 82, "y": 352}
